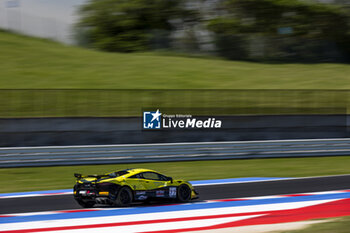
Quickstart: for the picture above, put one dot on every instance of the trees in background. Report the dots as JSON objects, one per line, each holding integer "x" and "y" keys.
{"x": 130, "y": 25}
{"x": 285, "y": 29}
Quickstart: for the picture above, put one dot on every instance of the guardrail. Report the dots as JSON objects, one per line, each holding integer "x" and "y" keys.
{"x": 166, "y": 152}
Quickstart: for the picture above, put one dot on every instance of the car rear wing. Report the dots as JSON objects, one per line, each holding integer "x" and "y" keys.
{"x": 80, "y": 176}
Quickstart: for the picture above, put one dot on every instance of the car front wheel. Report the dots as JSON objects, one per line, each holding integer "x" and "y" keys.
{"x": 183, "y": 193}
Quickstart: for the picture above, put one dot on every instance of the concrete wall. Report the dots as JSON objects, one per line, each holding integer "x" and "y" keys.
{"x": 82, "y": 131}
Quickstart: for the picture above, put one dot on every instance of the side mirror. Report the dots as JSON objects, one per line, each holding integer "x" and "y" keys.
{"x": 170, "y": 179}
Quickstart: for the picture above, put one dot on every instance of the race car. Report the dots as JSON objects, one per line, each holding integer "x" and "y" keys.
{"x": 121, "y": 188}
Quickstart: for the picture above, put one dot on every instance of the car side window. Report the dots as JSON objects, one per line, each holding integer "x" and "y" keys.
{"x": 137, "y": 176}
{"x": 163, "y": 178}
{"x": 151, "y": 176}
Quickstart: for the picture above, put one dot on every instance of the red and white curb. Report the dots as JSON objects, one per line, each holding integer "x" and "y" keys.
{"x": 206, "y": 215}
{"x": 201, "y": 202}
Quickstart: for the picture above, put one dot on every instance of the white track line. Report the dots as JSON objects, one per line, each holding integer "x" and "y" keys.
{"x": 281, "y": 179}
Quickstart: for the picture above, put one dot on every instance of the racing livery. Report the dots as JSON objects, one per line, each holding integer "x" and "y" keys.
{"x": 121, "y": 188}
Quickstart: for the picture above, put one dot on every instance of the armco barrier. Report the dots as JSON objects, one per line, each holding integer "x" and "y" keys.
{"x": 134, "y": 153}
{"x": 20, "y": 132}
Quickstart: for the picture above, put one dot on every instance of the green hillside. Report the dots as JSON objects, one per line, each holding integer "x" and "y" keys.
{"x": 34, "y": 63}
{"x": 29, "y": 63}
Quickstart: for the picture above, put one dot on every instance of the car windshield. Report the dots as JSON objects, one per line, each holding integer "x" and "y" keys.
{"x": 118, "y": 173}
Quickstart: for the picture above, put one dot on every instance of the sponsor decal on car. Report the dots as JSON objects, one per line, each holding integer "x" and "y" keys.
{"x": 82, "y": 192}
{"x": 103, "y": 193}
{"x": 160, "y": 193}
{"x": 86, "y": 192}
{"x": 141, "y": 198}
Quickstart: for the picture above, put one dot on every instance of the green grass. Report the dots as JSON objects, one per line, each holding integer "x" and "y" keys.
{"x": 339, "y": 225}
{"x": 35, "y": 63}
{"x": 41, "y": 64}
{"x": 46, "y": 178}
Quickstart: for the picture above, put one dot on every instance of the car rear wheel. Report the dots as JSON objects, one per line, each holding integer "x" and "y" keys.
{"x": 88, "y": 204}
{"x": 124, "y": 197}
{"x": 183, "y": 193}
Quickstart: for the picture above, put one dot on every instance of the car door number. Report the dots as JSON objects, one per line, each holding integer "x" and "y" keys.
{"x": 172, "y": 192}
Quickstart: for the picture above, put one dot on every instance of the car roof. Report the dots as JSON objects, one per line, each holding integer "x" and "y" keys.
{"x": 134, "y": 171}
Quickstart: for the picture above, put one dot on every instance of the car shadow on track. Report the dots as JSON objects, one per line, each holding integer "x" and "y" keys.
{"x": 149, "y": 204}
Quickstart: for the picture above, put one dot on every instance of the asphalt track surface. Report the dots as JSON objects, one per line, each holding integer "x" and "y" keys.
{"x": 209, "y": 192}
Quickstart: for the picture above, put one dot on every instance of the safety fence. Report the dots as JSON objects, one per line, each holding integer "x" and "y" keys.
{"x": 136, "y": 153}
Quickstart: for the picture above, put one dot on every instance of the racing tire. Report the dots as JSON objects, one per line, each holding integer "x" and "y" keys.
{"x": 88, "y": 204}
{"x": 183, "y": 193}
{"x": 124, "y": 197}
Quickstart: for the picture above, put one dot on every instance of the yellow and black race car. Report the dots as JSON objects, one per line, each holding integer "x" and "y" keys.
{"x": 121, "y": 188}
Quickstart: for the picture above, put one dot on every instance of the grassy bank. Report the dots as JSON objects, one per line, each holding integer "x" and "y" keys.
{"x": 41, "y": 64}
{"x": 338, "y": 225}
{"x": 34, "y": 63}
{"x": 45, "y": 178}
